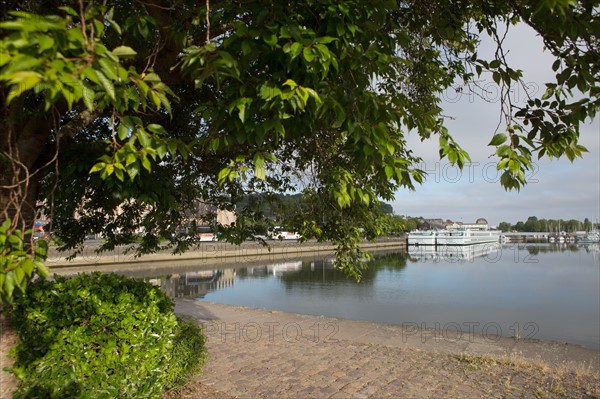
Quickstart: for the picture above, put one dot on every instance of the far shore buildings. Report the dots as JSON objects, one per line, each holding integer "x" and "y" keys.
{"x": 205, "y": 214}
{"x": 480, "y": 224}
{"x": 200, "y": 213}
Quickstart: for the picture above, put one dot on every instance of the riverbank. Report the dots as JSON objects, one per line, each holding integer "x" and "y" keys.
{"x": 204, "y": 256}
{"x": 258, "y": 353}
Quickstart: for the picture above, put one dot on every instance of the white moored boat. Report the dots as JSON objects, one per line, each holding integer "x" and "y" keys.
{"x": 591, "y": 237}
{"x": 467, "y": 237}
{"x": 426, "y": 237}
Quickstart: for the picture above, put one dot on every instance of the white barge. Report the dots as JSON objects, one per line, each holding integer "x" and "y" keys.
{"x": 467, "y": 237}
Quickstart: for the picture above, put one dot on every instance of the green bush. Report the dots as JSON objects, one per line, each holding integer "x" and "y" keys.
{"x": 98, "y": 336}
{"x": 188, "y": 353}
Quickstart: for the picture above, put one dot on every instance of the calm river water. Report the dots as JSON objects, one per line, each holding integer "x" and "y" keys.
{"x": 539, "y": 291}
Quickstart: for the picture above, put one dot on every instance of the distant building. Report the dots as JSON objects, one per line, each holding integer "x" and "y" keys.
{"x": 225, "y": 218}
{"x": 433, "y": 224}
{"x": 205, "y": 214}
{"x": 480, "y": 224}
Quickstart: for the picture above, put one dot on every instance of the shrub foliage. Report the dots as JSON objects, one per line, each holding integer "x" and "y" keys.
{"x": 98, "y": 336}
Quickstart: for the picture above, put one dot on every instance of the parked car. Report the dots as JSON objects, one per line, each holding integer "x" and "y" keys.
{"x": 206, "y": 234}
{"x": 278, "y": 233}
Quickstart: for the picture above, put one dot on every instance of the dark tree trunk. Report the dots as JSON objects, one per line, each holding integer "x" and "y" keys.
{"x": 24, "y": 152}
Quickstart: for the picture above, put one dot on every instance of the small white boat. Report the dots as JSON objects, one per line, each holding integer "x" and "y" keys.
{"x": 591, "y": 237}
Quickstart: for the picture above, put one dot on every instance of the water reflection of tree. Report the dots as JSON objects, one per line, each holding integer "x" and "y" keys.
{"x": 537, "y": 249}
{"x": 393, "y": 261}
{"x": 323, "y": 271}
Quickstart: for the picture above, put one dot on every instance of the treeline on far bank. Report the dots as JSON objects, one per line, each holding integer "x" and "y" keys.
{"x": 533, "y": 224}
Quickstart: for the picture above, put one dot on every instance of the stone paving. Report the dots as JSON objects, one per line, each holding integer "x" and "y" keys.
{"x": 256, "y": 353}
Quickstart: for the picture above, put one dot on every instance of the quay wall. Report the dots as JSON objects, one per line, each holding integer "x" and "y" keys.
{"x": 207, "y": 255}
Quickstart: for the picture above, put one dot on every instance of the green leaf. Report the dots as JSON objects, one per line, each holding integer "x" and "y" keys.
{"x": 124, "y": 52}
{"x": 259, "y": 161}
{"x": 88, "y": 96}
{"x": 119, "y": 174}
{"x": 142, "y": 137}
{"x": 91, "y": 74}
{"x": 109, "y": 68}
{"x": 133, "y": 170}
{"x": 271, "y": 40}
{"x": 98, "y": 167}
{"x": 172, "y": 146}
{"x": 152, "y": 78}
{"x": 155, "y": 99}
{"x": 9, "y": 285}
{"x": 268, "y": 92}
{"x": 498, "y": 139}
{"x": 295, "y": 49}
{"x": 260, "y": 173}
{"x": 42, "y": 270}
{"x": 308, "y": 54}
{"x": 452, "y": 157}
{"x": 223, "y": 174}
{"x": 497, "y": 77}
{"x": 161, "y": 150}
{"x": 156, "y": 128}
{"x": 107, "y": 84}
{"x": 326, "y": 39}
{"x": 146, "y": 164}
{"x": 122, "y": 132}
{"x": 389, "y": 171}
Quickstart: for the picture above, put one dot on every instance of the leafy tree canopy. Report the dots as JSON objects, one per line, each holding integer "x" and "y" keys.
{"x": 121, "y": 114}
{"x": 533, "y": 224}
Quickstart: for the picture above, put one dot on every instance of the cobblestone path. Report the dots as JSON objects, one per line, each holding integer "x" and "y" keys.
{"x": 257, "y": 353}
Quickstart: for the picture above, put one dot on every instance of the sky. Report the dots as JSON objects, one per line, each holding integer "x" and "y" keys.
{"x": 556, "y": 189}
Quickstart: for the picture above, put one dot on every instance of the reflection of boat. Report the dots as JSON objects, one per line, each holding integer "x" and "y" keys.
{"x": 452, "y": 253}
{"x": 468, "y": 252}
{"x": 591, "y": 237}
{"x": 467, "y": 237}
{"x": 422, "y": 252}
{"x": 594, "y": 248}
{"x": 426, "y": 237}
{"x": 280, "y": 268}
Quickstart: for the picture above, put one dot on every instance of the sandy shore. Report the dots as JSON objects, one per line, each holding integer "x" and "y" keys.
{"x": 258, "y": 353}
